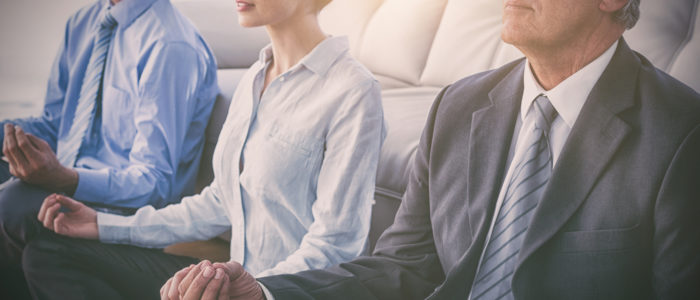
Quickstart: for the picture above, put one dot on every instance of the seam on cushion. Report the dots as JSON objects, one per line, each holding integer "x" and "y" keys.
{"x": 688, "y": 36}
{"x": 432, "y": 43}
{"x": 361, "y": 38}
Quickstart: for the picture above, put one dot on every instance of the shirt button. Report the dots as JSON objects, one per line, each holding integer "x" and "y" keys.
{"x": 282, "y": 79}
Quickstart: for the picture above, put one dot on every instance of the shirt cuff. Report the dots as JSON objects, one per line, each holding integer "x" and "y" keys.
{"x": 92, "y": 184}
{"x": 266, "y": 292}
{"x": 111, "y": 228}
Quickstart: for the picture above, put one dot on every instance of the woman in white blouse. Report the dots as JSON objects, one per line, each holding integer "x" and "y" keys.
{"x": 294, "y": 172}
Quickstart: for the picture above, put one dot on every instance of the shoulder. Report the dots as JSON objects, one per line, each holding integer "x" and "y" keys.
{"x": 665, "y": 92}
{"x": 84, "y": 17}
{"x": 351, "y": 80}
{"x": 163, "y": 25}
{"x": 665, "y": 108}
{"x": 349, "y": 72}
{"x": 472, "y": 92}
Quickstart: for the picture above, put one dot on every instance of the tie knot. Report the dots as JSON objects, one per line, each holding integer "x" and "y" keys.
{"x": 545, "y": 112}
{"x": 108, "y": 21}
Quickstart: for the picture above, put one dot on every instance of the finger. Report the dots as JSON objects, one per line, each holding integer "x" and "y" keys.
{"x": 233, "y": 269}
{"x": 69, "y": 203}
{"x": 51, "y": 212}
{"x": 224, "y": 293}
{"x": 185, "y": 284}
{"x": 211, "y": 291}
{"x": 173, "y": 292}
{"x": 200, "y": 282}
{"x": 10, "y": 148}
{"x": 8, "y": 129}
{"x": 50, "y": 200}
{"x": 164, "y": 289}
{"x": 26, "y": 145}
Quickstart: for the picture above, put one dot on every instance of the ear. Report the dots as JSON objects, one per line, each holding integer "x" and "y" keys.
{"x": 611, "y": 6}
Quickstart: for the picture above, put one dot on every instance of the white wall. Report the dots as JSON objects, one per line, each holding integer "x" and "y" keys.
{"x": 30, "y": 32}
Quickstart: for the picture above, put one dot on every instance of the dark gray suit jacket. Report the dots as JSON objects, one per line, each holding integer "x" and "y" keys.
{"x": 620, "y": 218}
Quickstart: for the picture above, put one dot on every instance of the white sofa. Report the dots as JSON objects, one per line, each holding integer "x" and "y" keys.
{"x": 416, "y": 47}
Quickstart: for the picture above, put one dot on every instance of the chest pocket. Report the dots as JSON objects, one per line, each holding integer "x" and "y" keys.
{"x": 282, "y": 162}
{"x": 118, "y": 125}
{"x": 609, "y": 240}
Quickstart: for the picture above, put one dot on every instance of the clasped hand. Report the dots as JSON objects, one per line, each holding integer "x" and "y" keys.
{"x": 32, "y": 160}
{"x": 212, "y": 281}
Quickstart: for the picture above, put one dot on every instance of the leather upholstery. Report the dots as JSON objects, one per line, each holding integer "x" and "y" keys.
{"x": 416, "y": 47}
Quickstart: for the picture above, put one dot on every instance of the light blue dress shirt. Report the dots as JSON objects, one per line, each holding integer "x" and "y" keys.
{"x": 294, "y": 170}
{"x": 158, "y": 90}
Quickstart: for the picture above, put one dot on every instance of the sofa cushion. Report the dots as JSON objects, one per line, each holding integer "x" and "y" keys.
{"x": 686, "y": 65}
{"x": 405, "y": 112}
{"x": 664, "y": 28}
{"x": 467, "y": 42}
{"x": 397, "y": 38}
{"x": 349, "y": 18}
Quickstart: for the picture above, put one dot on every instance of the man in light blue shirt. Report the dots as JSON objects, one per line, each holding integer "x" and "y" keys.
{"x": 122, "y": 128}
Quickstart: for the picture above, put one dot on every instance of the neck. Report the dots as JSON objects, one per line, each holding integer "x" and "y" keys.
{"x": 292, "y": 40}
{"x": 552, "y": 65}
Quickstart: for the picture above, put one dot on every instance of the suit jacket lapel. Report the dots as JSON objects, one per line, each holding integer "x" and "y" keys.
{"x": 593, "y": 141}
{"x": 489, "y": 142}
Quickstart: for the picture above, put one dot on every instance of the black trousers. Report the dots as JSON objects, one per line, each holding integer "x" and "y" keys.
{"x": 58, "y": 267}
{"x": 19, "y": 206}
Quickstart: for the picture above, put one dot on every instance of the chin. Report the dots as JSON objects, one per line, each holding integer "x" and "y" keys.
{"x": 245, "y": 22}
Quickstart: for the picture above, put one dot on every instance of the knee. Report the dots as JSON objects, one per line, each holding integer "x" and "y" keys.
{"x": 19, "y": 202}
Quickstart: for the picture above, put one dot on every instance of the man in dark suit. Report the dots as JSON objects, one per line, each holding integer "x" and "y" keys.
{"x": 571, "y": 174}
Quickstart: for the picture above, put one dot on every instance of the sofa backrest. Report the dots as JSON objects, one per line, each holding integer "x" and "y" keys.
{"x": 431, "y": 43}
{"x": 436, "y": 42}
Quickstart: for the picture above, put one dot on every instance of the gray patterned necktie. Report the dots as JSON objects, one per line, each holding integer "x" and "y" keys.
{"x": 90, "y": 92}
{"x": 523, "y": 192}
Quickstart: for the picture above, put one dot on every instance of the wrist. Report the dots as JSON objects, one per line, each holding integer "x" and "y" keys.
{"x": 70, "y": 181}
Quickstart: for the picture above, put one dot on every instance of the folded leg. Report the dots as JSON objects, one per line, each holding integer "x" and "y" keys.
{"x": 57, "y": 267}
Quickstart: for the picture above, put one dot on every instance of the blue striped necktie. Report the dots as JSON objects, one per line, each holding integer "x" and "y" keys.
{"x": 90, "y": 93}
{"x": 523, "y": 192}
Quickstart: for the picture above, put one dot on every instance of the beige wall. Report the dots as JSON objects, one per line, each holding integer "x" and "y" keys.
{"x": 30, "y": 32}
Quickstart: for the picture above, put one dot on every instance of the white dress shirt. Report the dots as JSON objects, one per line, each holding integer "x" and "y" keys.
{"x": 294, "y": 170}
{"x": 567, "y": 98}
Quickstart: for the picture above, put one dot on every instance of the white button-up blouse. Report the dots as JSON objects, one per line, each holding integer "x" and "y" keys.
{"x": 294, "y": 170}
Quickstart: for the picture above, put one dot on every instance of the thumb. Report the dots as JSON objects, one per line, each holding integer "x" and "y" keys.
{"x": 232, "y": 268}
{"x": 69, "y": 203}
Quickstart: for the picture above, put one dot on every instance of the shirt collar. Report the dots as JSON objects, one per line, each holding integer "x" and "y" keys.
{"x": 320, "y": 59}
{"x": 126, "y": 11}
{"x": 570, "y": 95}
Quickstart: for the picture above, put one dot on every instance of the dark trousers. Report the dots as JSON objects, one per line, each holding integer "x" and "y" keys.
{"x": 4, "y": 171}
{"x": 19, "y": 206}
{"x": 58, "y": 267}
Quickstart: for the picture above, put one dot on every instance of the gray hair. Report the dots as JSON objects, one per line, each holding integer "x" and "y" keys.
{"x": 628, "y": 15}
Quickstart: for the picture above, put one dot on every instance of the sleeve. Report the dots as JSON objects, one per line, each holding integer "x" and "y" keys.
{"x": 166, "y": 106}
{"x": 676, "y": 265}
{"x": 343, "y": 206}
{"x": 198, "y": 217}
{"x": 46, "y": 126}
{"x": 405, "y": 264}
